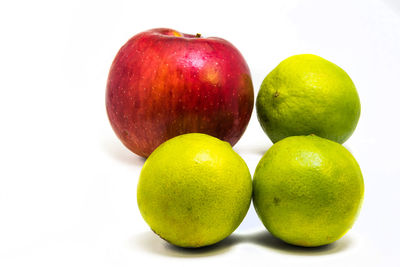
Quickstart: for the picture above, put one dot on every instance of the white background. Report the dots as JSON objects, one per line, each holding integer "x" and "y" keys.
{"x": 68, "y": 186}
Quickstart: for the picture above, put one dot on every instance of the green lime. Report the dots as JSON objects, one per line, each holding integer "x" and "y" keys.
{"x": 308, "y": 190}
{"x": 194, "y": 190}
{"x": 306, "y": 94}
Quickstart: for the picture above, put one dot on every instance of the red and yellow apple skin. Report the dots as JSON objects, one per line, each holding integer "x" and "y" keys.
{"x": 164, "y": 83}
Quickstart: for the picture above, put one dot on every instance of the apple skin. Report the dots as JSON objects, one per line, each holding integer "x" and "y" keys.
{"x": 163, "y": 83}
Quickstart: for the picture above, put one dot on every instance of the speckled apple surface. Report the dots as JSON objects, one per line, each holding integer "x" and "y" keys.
{"x": 164, "y": 83}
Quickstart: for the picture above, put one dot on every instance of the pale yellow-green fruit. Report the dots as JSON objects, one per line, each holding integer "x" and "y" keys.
{"x": 308, "y": 190}
{"x": 194, "y": 190}
{"x": 306, "y": 94}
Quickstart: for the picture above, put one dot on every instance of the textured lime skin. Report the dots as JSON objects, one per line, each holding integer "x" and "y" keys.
{"x": 308, "y": 190}
{"x": 194, "y": 190}
{"x": 306, "y": 94}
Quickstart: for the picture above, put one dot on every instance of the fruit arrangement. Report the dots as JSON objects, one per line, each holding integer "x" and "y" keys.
{"x": 183, "y": 101}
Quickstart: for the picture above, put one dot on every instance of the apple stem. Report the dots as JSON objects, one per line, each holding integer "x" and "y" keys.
{"x": 198, "y": 35}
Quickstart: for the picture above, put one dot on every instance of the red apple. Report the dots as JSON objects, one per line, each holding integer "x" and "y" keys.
{"x": 164, "y": 83}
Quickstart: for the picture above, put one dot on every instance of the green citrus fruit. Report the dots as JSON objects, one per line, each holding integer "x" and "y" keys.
{"x": 308, "y": 190}
{"x": 194, "y": 190}
{"x": 306, "y": 94}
